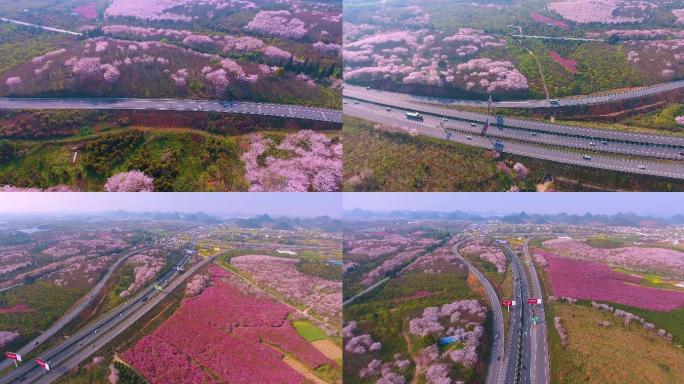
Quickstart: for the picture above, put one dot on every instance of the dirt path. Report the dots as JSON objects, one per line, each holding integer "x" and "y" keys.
{"x": 541, "y": 73}
{"x": 303, "y": 369}
{"x": 328, "y": 349}
{"x": 416, "y": 373}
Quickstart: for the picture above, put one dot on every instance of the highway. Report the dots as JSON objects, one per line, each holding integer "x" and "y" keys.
{"x": 431, "y": 126}
{"x": 604, "y": 98}
{"x": 516, "y": 356}
{"x": 539, "y": 365}
{"x": 49, "y": 29}
{"x": 495, "y": 369}
{"x": 97, "y": 334}
{"x": 129, "y": 104}
{"x": 72, "y": 314}
{"x": 409, "y": 103}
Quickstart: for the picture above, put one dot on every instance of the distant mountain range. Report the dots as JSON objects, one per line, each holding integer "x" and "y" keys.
{"x": 177, "y": 216}
{"x": 618, "y": 219}
{"x": 265, "y": 221}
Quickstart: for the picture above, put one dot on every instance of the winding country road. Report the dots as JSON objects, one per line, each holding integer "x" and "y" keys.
{"x": 234, "y": 107}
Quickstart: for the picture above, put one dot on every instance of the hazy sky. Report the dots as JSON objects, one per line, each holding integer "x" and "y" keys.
{"x": 657, "y": 204}
{"x": 278, "y": 204}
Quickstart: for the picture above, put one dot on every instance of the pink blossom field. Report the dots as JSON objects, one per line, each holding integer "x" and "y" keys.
{"x": 591, "y": 280}
{"x": 303, "y": 161}
{"x": 659, "y": 260}
{"x": 246, "y": 335}
{"x": 323, "y": 297}
{"x": 195, "y": 49}
{"x": 569, "y": 64}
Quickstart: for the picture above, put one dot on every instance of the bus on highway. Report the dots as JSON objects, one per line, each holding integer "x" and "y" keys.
{"x": 414, "y": 116}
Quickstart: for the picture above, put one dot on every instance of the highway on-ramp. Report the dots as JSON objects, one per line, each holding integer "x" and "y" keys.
{"x": 495, "y": 369}
{"x": 72, "y": 314}
{"x": 432, "y": 126}
{"x": 604, "y": 98}
{"x": 234, "y": 107}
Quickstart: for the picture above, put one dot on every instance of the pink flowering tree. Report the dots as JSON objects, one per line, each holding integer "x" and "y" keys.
{"x": 278, "y": 24}
{"x": 15, "y": 84}
{"x": 132, "y": 181}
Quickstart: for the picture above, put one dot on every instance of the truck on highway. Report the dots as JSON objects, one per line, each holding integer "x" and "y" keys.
{"x": 414, "y": 116}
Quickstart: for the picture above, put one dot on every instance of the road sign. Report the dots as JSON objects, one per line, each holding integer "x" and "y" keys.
{"x": 43, "y": 364}
{"x": 506, "y": 303}
{"x": 534, "y": 300}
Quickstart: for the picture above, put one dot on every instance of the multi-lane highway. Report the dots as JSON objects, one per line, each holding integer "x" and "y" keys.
{"x": 518, "y": 336}
{"x": 89, "y": 339}
{"x": 539, "y": 364}
{"x": 72, "y": 314}
{"x": 495, "y": 369}
{"x": 234, "y": 107}
{"x": 462, "y": 132}
{"x": 407, "y": 103}
{"x": 604, "y": 98}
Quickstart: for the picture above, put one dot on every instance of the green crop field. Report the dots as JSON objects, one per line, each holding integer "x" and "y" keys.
{"x": 308, "y": 331}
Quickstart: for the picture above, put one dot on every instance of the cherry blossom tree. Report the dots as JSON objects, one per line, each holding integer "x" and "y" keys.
{"x": 218, "y": 82}
{"x": 278, "y": 24}
{"x": 131, "y": 181}
{"x": 14, "y": 83}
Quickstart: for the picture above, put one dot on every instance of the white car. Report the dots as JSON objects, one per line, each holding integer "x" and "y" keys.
{"x": 586, "y": 157}
{"x": 592, "y": 144}
{"x": 445, "y": 119}
{"x": 469, "y": 137}
{"x": 642, "y": 167}
{"x": 473, "y": 125}
{"x": 388, "y": 109}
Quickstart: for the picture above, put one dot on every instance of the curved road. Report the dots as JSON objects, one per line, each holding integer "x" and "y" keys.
{"x": 394, "y": 100}
{"x": 496, "y": 359}
{"x": 71, "y": 315}
{"x": 89, "y": 339}
{"x": 606, "y": 98}
{"x": 429, "y": 126}
{"x": 236, "y": 107}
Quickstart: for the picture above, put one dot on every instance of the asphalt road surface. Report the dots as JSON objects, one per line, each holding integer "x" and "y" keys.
{"x": 95, "y": 335}
{"x": 539, "y": 364}
{"x": 496, "y": 360}
{"x": 430, "y": 126}
{"x": 517, "y": 339}
{"x": 606, "y": 98}
{"x": 50, "y": 29}
{"x": 72, "y": 314}
{"x": 236, "y": 107}
{"x": 87, "y": 341}
{"x": 410, "y": 103}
